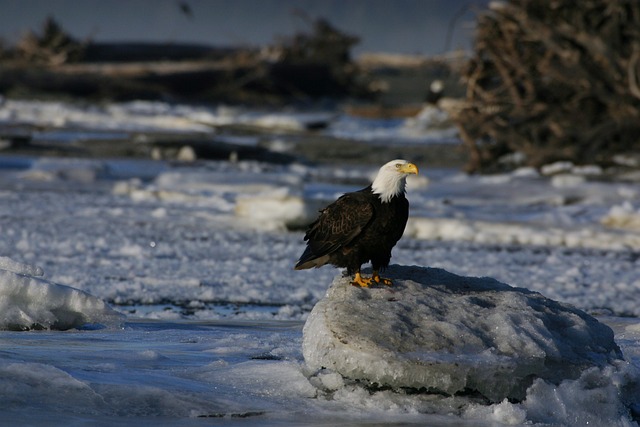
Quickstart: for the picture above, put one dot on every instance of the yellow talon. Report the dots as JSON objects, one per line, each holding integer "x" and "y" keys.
{"x": 363, "y": 282}
{"x": 383, "y": 280}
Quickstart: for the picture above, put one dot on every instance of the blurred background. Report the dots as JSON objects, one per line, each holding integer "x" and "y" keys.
{"x": 488, "y": 86}
{"x": 355, "y": 70}
{"x": 400, "y": 26}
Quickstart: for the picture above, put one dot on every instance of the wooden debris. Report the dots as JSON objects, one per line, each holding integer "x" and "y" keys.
{"x": 553, "y": 80}
{"x": 304, "y": 67}
{"x": 52, "y": 47}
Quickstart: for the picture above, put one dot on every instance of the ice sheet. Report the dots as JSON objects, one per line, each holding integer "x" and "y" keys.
{"x": 162, "y": 241}
{"x": 65, "y": 121}
{"x": 139, "y": 232}
{"x": 252, "y": 374}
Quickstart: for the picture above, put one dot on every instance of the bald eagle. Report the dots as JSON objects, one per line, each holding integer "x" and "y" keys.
{"x": 361, "y": 226}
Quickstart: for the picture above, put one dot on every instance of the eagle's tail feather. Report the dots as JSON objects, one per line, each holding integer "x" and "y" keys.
{"x": 308, "y": 260}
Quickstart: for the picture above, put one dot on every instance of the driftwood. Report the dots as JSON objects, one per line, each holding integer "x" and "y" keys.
{"x": 53, "y": 46}
{"x": 553, "y": 80}
{"x": 305, "y": 66}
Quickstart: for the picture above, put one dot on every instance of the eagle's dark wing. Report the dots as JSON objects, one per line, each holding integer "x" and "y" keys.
{"x": 337, "y": 225}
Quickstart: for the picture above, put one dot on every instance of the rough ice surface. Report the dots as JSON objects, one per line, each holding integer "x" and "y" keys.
{"x": 19, "y": 268}
{"x": 30, "y": 302}
{"x": 199, "y": 256}
{"x": 148, "y": 232}
{"x": 440, "y": 332}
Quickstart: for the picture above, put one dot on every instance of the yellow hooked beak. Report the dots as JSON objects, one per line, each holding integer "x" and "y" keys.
{"x": 409, "y": 168}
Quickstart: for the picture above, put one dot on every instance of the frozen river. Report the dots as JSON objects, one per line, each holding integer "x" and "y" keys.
{"x": 199, "y": 256}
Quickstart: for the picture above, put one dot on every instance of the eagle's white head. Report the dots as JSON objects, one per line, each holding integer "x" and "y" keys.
{"x": 392, "y": 179}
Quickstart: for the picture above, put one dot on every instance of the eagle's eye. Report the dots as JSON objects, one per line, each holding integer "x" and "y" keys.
{"x": 398, "y": 165}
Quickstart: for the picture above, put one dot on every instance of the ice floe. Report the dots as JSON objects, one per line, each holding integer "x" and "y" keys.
{"x": 161, "y": 240}
{"x": 434, "y": 331}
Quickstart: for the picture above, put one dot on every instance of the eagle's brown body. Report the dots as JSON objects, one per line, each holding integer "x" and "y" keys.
{"x": 355, "y": 229}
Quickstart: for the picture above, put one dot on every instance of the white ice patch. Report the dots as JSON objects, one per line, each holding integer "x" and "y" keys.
{"x": 525, "y": 234}
{"x": 600, "y": 397}
{"x": 430, "y": 125}
{"x": 203, "y": 187}
{"x": 19, "y": 268}
{"x": 29, "y": 302}
{"x": 440, "y": 332}
{"x": 624, "y": 215}
{"x": 123, "y": 117}
{"x": 288, "y": 122}
{"x": 278, "y": 209}
{"x": 72, "y": 170}
{"x": 430, "y": 121}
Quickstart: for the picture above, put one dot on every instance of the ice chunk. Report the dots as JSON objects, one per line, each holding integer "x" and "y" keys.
{"x": 556, "y": 168}
{"x": 436, "y": 331}
{"x": 28, "y": 302}
{"x": 72, "y": 170}
{"x": 601, "y": 396}
{"x": 17, "y": 267}
{"x": 278, "y": 209}
{"x": 625, "y": 215}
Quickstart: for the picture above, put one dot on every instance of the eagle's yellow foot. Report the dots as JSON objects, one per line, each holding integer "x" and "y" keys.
{"x": 376, "y": 277}
{"x": 363, "y": 282}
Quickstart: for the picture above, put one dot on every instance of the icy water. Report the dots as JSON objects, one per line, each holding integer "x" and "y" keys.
{"x": 203, "y": 373}
{"x": 151, "y": 373}
{"x": 198, "y": 258}
{"x": 177, "y": 373}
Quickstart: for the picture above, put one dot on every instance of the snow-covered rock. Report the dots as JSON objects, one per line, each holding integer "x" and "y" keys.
{"x": 443, "y": 333}
{"x": 31, "y": 302}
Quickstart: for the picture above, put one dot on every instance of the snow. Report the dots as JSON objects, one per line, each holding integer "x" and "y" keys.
{"x": 527, "y": 234}
{"x": 429, "y": 125}
{"x": 152, "y": 232}
{"x": 449, "y": 334}
{"x": 125, "y": 117}
{"x": 66, "y": 122}
{"x": 521, "y": 207}
{"x": 199, "y": 258}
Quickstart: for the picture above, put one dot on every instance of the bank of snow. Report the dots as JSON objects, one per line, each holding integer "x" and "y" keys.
{"x": 437, "y": 332}
{"x": 28, "y": 301}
